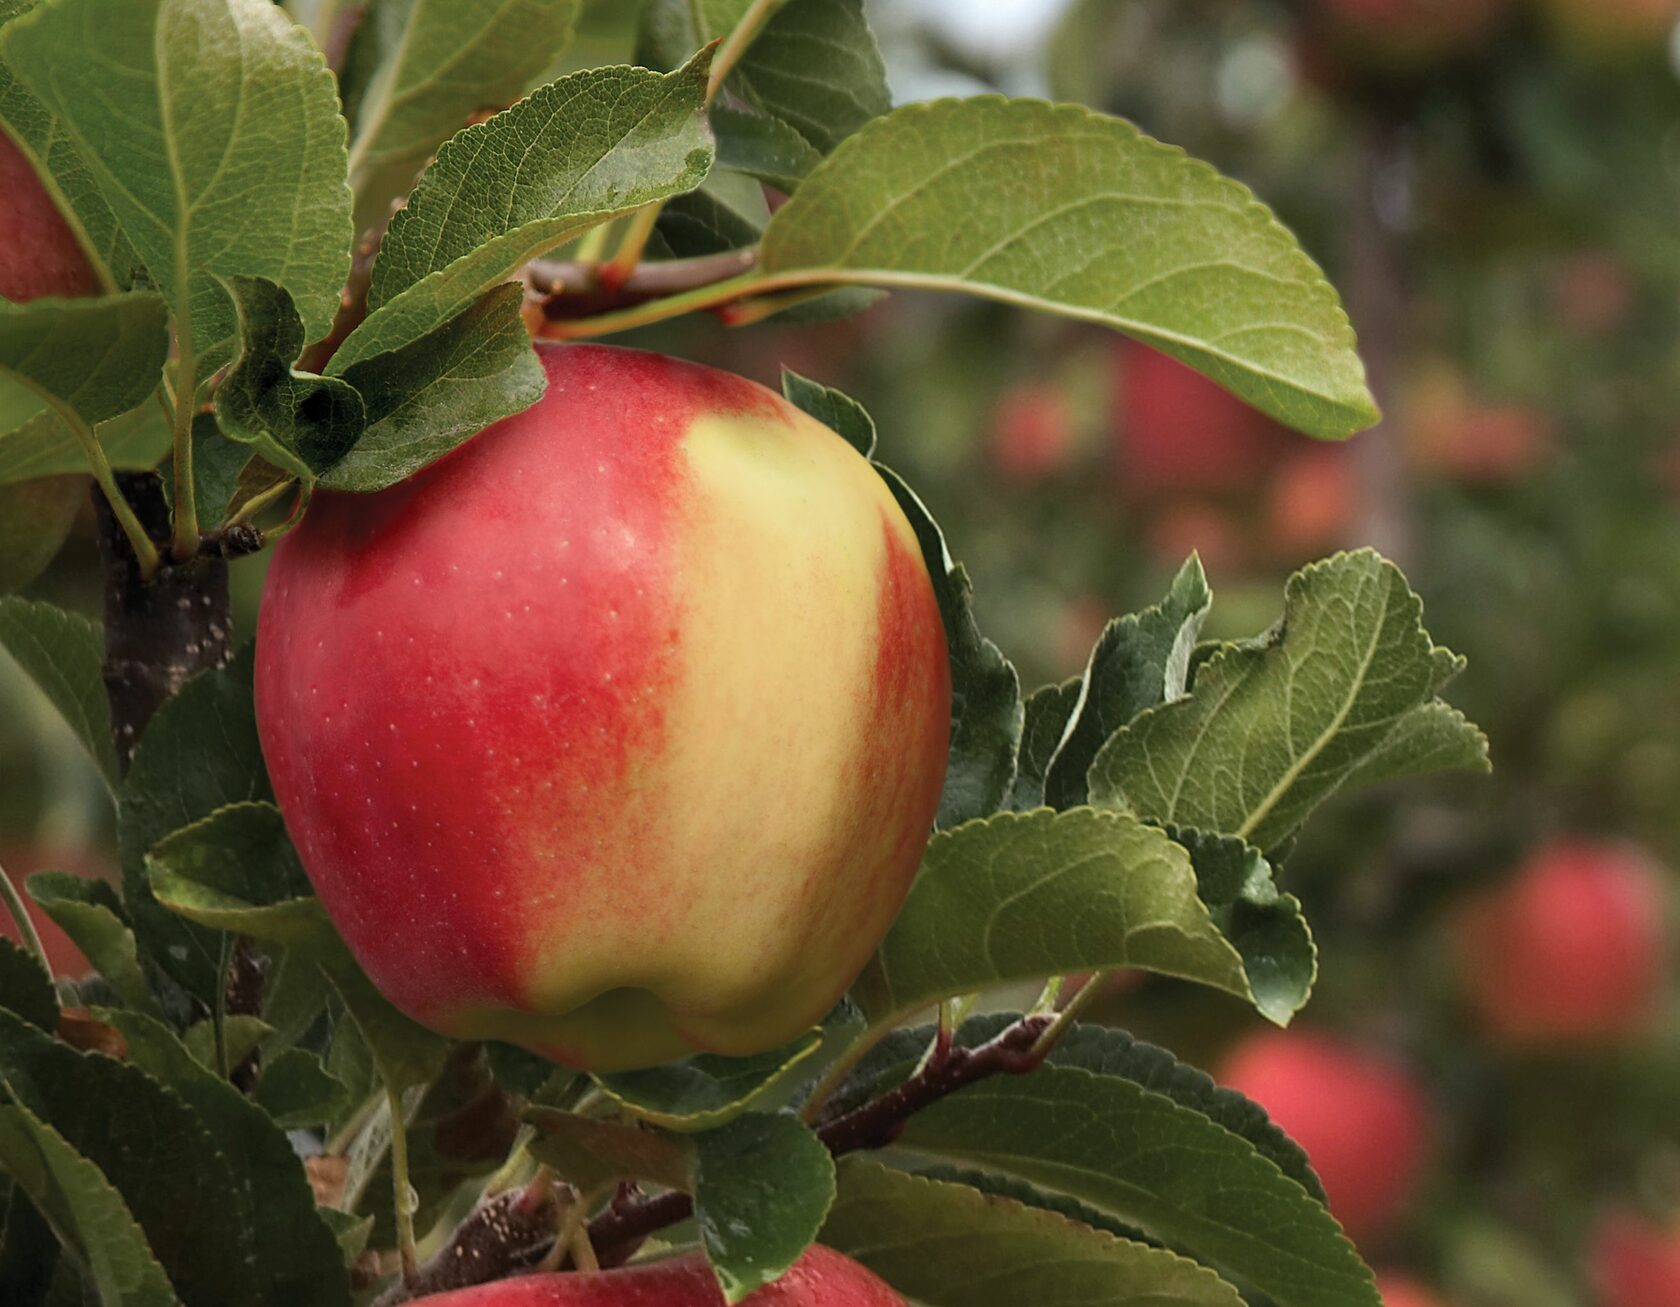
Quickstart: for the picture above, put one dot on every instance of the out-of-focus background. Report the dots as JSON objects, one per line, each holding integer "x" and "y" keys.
{"x": 1489, "y": 1076}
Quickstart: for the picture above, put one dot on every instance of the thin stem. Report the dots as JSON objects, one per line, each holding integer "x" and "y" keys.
{"x": 340, "y": 1143}
{"x": 402, "y": 1192}
{"x": 220, "y": 1028}
{"x": 641, "y": 315}
{"x": 256, "y": 503}
{"x": 1068, "y": 1015}
{"x": 185, "y": 543}
{"x": 26, "y": 927}
{"x": 594, "y": 245}
{"x": 736, "y": 43}
{"x": 612, "y": 274}
{"x": 144, "y": 550}
{"x": 842, "y": 1068}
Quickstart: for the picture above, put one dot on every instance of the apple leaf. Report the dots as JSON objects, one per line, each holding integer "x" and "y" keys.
{"x": 763, "y": 147}
{"x": 1049, "y": 709}
{"x": 295, "y": 420}
{"x": 241, "y": 1035}
{"x": 762, "y": 1186}
{"x": 1022, "y": 896}
{"x": 295, "y": 1257}
{"x": 298, "y": 1091}
{"x": 211, "y": 129}
{"x": 25, "y": 988}
{"x": 199, "y": 753}
{"x": 1273, "y": 727}
{"x": 1061, "y": 209}
{"x": 39, "y": 444}
{"x": 92, "y": 357}
{"x": 89, "y": 912}
{"x": 84, "y": 1209}
{"x": 835, "y": 409}
{"x": 1152, "y": 1162}
{"x": 728, "y": 212}
{"x": 1141, "y": 660}
{"x": 573, "y": 154}
{"x": 439, "y": 391}
{"x": 432, "y": 65}
{"x": 986, "y": 712}
{"x": 64, "y": 653}
{"x": 29, "y": 1250}
{"x": 1432, "y": 737}
{"x": 591, "y": 1155}
{"x": 948, "y": 1245}
{"x": 151, "y": 1145}
{"x": 707, "y": 1090}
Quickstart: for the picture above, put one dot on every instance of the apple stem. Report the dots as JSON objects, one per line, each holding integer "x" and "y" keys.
{"x": 26, "y": 927}
{"x": 402, "y": 1191}
{"x": 744, "y": 33}
{"x": 612, "y": 274}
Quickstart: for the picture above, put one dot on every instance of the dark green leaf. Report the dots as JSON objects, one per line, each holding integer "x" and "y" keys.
{"x": 837, "y": 411}
{"x": 63, "y": 653}
{"x": 705, "y": 1091}
{"x": 762, "y": 146}
{"x": 591, "y": 1155}
{"x": 89, "y": 912}
{"x": 25, "y": 989}
{"x": 28, "y": 1247}
{"x": 93, "y": 357}
{"x": 1049, "y": 709}
{"x": 298, "y": 1091}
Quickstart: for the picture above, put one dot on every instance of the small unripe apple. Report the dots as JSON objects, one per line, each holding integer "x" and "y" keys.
{"x": 1033, "y": 432}
{"x": 1398, "y": 1290}
{"x": 39, "y": 254}
{"x": 1366, "y": 1126}
{"x": 618, "y": 732}
{"x": 1312, "y": 502}
{"x": 821, "y": 1278}
{"x": 1634, "y": 1263}
{"x": 1175, "y": 431}
{"x": 1573, "y": 947}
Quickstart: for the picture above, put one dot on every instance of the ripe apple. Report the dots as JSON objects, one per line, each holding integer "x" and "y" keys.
{"x": 1634, "y": 1263}
{"x": 1312, "y": 501}
{"x": 1573, "y": 947}
{"x": 1365, "y": 1124}
{"x": 1033, "y": 432}
{"x": 1398, "y": 1290}
{"x": 21, "y": 861}
{"x": 1612, "y": 27}
{"x": 821, "y": 1278}
{"x": 618, "y": 732}
{"x": 39, "y": 254}
{"x": 1175, "y": 431}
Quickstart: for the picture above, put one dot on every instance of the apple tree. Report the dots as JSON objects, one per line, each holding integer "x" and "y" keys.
{"x": 317, "y": 242}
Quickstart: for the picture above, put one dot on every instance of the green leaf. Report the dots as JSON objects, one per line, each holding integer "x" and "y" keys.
{"x": 1169, "y": 1169}
{"x": 64, "y": 654}
{"x": 1027, "y": 895}
{"x": 64, "y": 173}
{"x": 199, "y": 753}
{"x": 707, "y": 1090}
{"x": 577, "y": 152}
{"x": 591, "y": 1155}
{"x": 986, "y": 712}
{"x": 1049, "y": 709}
{"x": 947, "y": 1245}
{"x": 728, "y": 212}
{"x": 1265, "y": 926}
{"x": 29, "y": 1250}
{"x": 1433, "y": 737}
{"x": 93, "y": 357}
{"x": 763, "y": 1185}
{"x": 89, "y": 912}
{"x": 439, "y": 391}
{"x": 761, "y": 146}
{"x": 218, "y": 465}
{"x": 1057, "y": 208}
{"x": 298, "y": 1091}
{"x": 436, "y": 63}
{"x": 40, "y": 444}
{"x": 1273, "y": 727}
{"x": 836, "y": 410}
{"x": 25, "y": 989}
{"x": 211, "y": 128}
{"x": 241, "y": 1034}
{"x": 85, "y": 1210}
{"x": 151, "y": 1145}
{"x": 296, "y": 420}
{"x": 1141, "y": 660}
{"x": 295, "y": 1256}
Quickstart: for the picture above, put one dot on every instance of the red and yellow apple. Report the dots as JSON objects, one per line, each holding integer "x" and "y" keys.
{"x": 1634, "y": 1262}
{"x": 618, "y": 732}
{"x": 1575, "y": 946}
{"x": 1033, "y": 432}
{"x": 1366, "y": 1126}
{"x": 821, "y": 1278}
{"x": 39, "y": 255}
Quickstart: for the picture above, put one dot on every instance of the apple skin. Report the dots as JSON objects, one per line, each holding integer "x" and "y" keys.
{"x": 1365, "y": 1124}
{"x": 1573, "y": 947}
{"x": 821, "y": 1278}
{"x": 1176, "y": 432}
{"x": 39, "y": 254}
{"x": 617, "y": 733}
{"x": 1397, "y": 1290}
{"x": 1634, "y": 1263}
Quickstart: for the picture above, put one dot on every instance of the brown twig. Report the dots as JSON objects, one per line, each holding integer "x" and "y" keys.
{"x": 504, "y": 1234}
{"x": 573, "y": 289}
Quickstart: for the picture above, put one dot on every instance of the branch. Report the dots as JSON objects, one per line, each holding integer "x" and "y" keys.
{"x": 569, "y": 290}
{"x": 504, "y": 1234}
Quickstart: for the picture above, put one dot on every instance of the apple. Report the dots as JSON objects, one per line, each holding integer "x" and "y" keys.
{"x": 820, "y": 1278}
{"x": 1175, "y": 431}
{"x": 618, "y": 732}
{"x": 1634, "y": 1262}
{"x": 1033, "y": 432}
{"x": 1366, "y": 1126}
{"x": 1398, "y": 1290}
{"x": 1573, "y": 947}
{"x": 39, "y": 253}
{"x": 1182, "y": 526}
{"x": 23, "y": 861}
{"x": 1312, "y": 501}
{"x": 1612, "y": 27}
